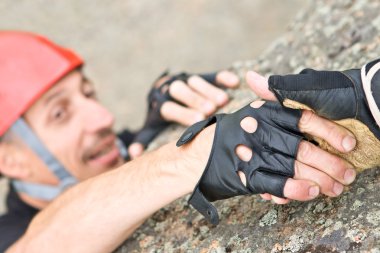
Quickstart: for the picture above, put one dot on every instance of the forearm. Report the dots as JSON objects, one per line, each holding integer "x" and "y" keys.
{"x": 98, "y": 214}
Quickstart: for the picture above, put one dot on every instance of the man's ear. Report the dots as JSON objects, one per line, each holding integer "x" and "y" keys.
{"x": 13, "y": 161}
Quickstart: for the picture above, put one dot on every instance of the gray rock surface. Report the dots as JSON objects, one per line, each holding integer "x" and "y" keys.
{"x": 327, "y": 35}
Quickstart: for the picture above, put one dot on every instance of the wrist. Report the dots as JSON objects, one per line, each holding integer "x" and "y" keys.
{"x": 193, "y": 157}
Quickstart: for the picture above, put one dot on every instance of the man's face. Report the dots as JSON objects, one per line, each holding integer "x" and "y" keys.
{"x": 75, "y": 127}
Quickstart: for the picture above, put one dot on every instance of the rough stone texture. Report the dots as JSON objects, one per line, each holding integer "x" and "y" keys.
{"x": 327, "y": 35}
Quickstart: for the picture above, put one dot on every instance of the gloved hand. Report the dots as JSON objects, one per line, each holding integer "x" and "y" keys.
{"x": 274, "y": 144}
{"x": 194, "y": 100}
{"x": 332, "y": 94}
{"x": 350, "y": 97}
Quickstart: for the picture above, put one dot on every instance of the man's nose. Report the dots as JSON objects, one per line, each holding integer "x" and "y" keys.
{"x": 96, "y": 116}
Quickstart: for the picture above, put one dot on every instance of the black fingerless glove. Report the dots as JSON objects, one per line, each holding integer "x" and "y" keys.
{"x": 335, "y": 95}
{"x": 274, "y": 145}
{"x": 154, "y": 122}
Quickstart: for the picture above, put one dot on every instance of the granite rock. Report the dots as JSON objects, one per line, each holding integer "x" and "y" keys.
{"x": 327, "y": 34}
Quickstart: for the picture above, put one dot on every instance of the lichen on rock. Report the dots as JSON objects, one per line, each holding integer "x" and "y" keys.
{"x": 328, "y": 34}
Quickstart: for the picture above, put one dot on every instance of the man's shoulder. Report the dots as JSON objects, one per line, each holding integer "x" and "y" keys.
{"x": 15, "y": 221}
{"x": 12, "y": 227}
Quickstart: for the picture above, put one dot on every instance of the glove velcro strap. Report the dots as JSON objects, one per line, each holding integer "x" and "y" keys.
{"x": 370, "y": 76}
{"x": 192, "y": 131}
{"x": 197, "y": 199}
{"x": 202, "y": 205}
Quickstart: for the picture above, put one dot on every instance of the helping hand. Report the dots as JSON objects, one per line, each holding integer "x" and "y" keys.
{"x": 260, "y": 149}
{"x": 184, "y": 99}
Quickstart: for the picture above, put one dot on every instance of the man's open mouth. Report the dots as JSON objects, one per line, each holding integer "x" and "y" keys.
{"x": 106, "y": 154}
{"x": 101, "y": 153}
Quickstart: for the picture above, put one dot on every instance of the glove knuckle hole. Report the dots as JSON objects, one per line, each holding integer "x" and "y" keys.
{"x": 304, "y": 151}
{"x": 243, "y": 152}
{"x": 249, "y": 124}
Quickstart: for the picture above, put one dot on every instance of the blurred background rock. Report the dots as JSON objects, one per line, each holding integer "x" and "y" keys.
{"x": 128, "y": 43}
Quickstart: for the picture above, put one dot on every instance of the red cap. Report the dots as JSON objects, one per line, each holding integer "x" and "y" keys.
{"x": 29, "y": 65}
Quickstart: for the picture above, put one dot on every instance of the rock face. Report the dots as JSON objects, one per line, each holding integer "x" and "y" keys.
{"x": 327, "y": 35}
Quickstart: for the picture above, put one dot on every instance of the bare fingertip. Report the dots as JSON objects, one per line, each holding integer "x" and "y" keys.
{"x": 266, "y": 196}
{"x": 136, "y": 150}
{"x": 338, "y": 188}
{"x": 228, "y": 78}
{"x": 280, "y": 201}
{"x": 250, "y": 74}
{"x": 257, "y": 104}
{"x": 254, "y": 76}
{"x": 222, "y": 99}
{"x": 349, "y": 176}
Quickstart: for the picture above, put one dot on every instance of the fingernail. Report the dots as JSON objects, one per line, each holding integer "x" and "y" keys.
{"x": 349, "y": 143}
{"x": 349, "y": 176}
{"x": 337, "y": 188}
{"x": 314, "y": 191}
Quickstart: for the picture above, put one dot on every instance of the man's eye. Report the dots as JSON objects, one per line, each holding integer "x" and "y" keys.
{"x": 90, "y": 94}
{"x": 58, "y": 114}
{"x": 89, "y": 91}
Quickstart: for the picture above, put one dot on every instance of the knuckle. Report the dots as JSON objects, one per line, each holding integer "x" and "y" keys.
{"x": 332, "y": 131}
{"x": 211, "y": 108}
{"x": 304, "y": 151}
{"x": 201, "y": 103}
{"x": 327, "y": 185}
{"x": 336, "y": 162}
{"x": 222, "y": 98}
{"x": 338, "y": 167}
{"x": 293, "y": 189}
{"x": 306, "y": 119}
{"x": 297, "y": 169}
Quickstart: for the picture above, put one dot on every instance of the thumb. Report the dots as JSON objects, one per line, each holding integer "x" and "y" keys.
{"x": 259, "y": 85}
{"x": 142, "y": 140}
{"x": 135, "y": 150}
